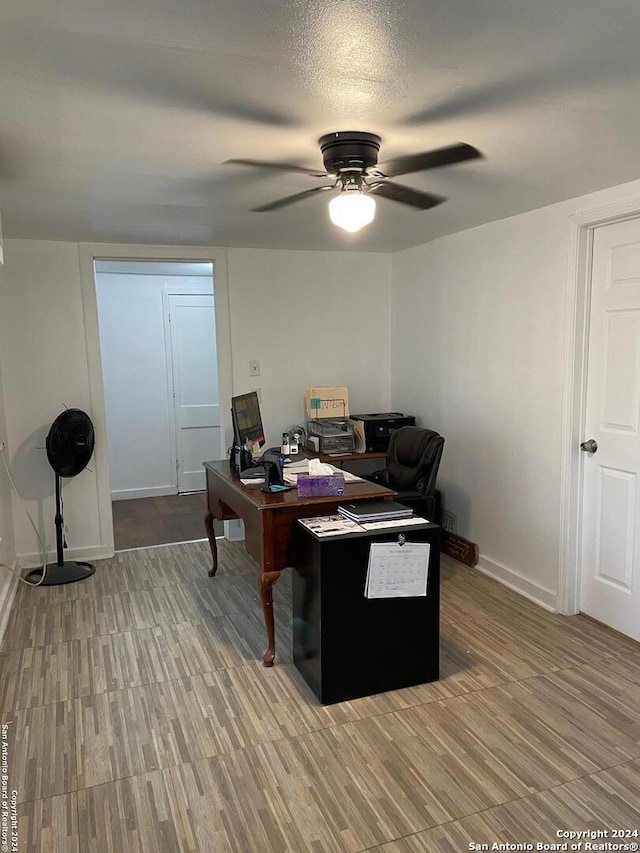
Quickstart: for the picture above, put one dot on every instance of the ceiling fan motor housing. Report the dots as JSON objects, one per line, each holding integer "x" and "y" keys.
{"x": 349, "y": 151}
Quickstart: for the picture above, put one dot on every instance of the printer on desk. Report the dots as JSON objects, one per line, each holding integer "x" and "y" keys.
{"x": 373, "y": 431}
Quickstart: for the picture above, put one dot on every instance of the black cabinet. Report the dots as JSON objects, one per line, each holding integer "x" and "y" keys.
{"x": 346, "y": 645}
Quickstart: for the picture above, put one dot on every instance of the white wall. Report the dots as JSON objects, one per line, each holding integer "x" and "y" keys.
{"x": 7, "y": 547}
{"x": 7, "y": 552}
{"x": 310, "y": 318}
{"x": 44, "y": 360}
{"x": 478, "y": 354}
{"x": 134, "y": 369}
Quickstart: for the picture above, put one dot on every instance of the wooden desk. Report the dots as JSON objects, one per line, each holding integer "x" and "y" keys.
{"x": 267, "y": 525}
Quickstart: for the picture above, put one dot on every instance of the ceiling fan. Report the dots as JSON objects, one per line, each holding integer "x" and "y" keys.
{"x": 351, "y": 161}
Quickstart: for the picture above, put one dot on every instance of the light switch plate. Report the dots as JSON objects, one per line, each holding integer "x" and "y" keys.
{"x": 254, "y": 368}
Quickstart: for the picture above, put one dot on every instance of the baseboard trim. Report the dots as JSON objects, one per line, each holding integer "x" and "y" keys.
{"x": 534, "y": 592}
{"x": 93, "y": 552}
{"x": 164, "y": 545}
{"x": 7, "y": 601}
{"x": 152, "y": 492}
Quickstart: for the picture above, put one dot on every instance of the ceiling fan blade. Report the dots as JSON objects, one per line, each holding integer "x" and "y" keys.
{"x": 166, "y": 71}
{"x": 427, "y": 160}
{"x": 290, "y": 199}
{"x": 282, "y": 167}
{"x": 406, "y": 195}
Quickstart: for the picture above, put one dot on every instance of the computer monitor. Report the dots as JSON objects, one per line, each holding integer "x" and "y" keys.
{"x": 247, "y": 421}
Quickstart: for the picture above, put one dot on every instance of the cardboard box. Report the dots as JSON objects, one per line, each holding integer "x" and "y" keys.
{"x": 327, "y": 401}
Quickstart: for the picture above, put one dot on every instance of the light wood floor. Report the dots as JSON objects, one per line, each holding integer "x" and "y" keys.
{"x": 140, "y": 720}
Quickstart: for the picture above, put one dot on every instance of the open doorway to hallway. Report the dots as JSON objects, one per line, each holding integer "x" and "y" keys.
{"x": 145, "y": 522}
{"x": 158, "y": 349}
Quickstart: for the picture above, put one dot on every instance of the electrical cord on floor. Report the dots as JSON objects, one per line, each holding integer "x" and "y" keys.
{"x": 40, "y": 540}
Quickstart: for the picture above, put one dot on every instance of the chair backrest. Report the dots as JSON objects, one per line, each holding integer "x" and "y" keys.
{"x": 413, "y": 458}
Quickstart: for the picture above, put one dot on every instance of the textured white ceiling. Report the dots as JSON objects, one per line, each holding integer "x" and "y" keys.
{"x": 116, "y": 117}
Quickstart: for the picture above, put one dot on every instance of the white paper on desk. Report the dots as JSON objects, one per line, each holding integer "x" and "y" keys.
{"x": 348, "y": 476}
{"x": 331, "y": 525}
{"x": 395, "y": 522}
{"x": 397, "y": 571}
{"x": 291, "y": 470}
{"x": 301, "y": 466}
{"x": 254, "y": 481}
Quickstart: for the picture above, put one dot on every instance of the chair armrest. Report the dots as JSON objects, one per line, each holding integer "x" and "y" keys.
{"x": 421, "y": 485}
{"x": 381, "y": 477}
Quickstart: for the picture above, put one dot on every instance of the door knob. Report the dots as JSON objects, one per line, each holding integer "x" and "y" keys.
{"x": 589, "y": 446}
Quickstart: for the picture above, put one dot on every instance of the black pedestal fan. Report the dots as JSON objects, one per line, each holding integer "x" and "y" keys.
{"x": 70, "y": 443}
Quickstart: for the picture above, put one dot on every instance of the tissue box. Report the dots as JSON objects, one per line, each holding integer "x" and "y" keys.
{"x": 310, "y": 486}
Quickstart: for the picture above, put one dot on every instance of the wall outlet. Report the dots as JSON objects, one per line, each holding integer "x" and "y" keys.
{"x": 449, "y": 522}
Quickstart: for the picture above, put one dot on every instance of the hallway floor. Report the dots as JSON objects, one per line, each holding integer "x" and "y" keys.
{"x": 144, "y": 522}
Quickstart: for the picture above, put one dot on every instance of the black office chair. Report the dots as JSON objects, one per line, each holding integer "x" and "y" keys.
{"x": 413, "y": 458}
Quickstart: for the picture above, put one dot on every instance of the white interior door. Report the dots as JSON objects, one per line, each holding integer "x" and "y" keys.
{"x": 195, "y": 386}
{"x": 610, "y": 566}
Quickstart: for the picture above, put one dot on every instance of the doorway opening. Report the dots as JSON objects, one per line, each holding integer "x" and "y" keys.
{"x": 157, "y": 331}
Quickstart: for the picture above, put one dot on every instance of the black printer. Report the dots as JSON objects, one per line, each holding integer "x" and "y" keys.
{"x": 376, "y": 429}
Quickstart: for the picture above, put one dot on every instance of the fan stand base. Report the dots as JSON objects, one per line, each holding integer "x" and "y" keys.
{"x": 66, "y": 573}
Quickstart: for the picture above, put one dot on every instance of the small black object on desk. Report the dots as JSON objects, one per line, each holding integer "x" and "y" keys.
{"x": 273, "y": 460}
{"x": 256, "y": 472}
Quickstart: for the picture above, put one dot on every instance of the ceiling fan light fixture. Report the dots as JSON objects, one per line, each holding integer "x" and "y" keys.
{"x": 350, "y": 160}
{"x": 352, "y": 209}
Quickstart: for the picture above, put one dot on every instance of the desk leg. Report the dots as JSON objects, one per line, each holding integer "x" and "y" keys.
{"x": 267, "y": 580}
{"x": 208, "y": 524}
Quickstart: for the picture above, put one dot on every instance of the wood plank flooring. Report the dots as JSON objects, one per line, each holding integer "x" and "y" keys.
{"x": 139, "y": 719}
{"x": 143, "y": 522}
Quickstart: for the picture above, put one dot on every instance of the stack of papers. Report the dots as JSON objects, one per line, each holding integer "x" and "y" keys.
{"x": 292, "y": 469}
{"x": 330, "y": 525}
{"x": 375, "y": 511}
{"x": 394, "y": 522}
{"x": 301, "y": 466}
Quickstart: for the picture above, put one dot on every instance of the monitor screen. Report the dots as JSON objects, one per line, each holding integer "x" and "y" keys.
{"x": 247, "y": 422}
